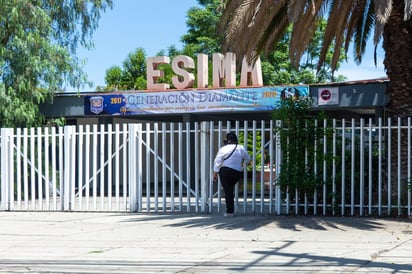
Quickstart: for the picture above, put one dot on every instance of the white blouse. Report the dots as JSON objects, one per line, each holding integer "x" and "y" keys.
{"x": 236, "y": 161}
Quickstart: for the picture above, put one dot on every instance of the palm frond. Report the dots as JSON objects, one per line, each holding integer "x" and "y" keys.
{"x": 244, "y": 24}
{"x": 408, "y": 10}
{"x": 377, "y": 33}
{"x": 239, "y": 18}
{"x": 230, "y": 6}
{"x": 281, "y": 23}
{"x": 376, "y": 38}
{"x": 361, "y": 35}
{"x": 303, "y": 31}
{"x": 235, "y": 21}
{"x": 335, "y": 30}
{"x": 270, "y": 14}
{"x": 295, "y": 9}
{"x": 383, "y": 9}
{"x": 356, "y": 18}
{"x": 251, "y": 27}
{"x": 222, "y": 5}
{"x": 272, "y": 25}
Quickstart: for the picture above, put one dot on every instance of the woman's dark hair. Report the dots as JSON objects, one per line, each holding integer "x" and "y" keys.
{"x": 231, "y": 138}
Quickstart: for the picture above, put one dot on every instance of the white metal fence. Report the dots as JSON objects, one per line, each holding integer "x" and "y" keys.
{"x": 163, "y": 167}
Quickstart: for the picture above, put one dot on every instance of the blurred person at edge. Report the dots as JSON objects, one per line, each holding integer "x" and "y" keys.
{"x": 229, "y": 163}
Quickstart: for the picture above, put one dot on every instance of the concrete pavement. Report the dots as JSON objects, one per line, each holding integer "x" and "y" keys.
{"x": 54, "y": 242}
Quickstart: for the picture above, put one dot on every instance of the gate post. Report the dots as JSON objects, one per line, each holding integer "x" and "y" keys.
{"x": 7, "y": 162}
{"x": 135, "y": 167}
{"x": 69, "y": 167}
{"x": 204, "y": 164}
{"x": 278, "y": 157}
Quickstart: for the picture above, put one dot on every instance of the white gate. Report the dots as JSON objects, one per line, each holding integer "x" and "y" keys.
{"x": 166, "y": 167}
{"x": 66, "y": 168}
{"x": 173, "y": 164}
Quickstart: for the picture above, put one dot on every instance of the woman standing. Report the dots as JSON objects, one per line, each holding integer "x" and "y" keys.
{"x": 229, "y": 163}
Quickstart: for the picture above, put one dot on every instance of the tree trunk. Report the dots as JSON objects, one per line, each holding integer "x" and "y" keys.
{"x": 397, "y": 43}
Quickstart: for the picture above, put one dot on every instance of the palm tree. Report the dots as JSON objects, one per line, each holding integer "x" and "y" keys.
{"x": 251, "y": 27}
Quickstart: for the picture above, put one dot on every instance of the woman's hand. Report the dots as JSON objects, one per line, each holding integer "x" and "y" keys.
{"x": 214, "y": 176}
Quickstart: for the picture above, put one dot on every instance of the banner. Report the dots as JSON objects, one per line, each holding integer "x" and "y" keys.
{"x": 190, "y": 101}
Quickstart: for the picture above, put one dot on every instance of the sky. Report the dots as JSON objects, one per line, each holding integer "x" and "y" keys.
{"x": 157, "y": 24}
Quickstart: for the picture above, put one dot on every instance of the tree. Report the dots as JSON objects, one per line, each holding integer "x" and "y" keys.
{"x": 113, "y": 78}
{"x": 38, "y": 42}
{"x": 134, "y": 70}
{"x": 132, "y": 76}
{"x": 202, "y": 37}
{"x": 348, "y": 21}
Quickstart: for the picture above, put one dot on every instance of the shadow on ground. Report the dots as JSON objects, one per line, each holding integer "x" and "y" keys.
{"x": 277, "y": 255}
{"x": 252, "y": 222}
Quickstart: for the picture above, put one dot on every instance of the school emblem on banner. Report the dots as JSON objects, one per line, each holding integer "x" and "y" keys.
{"x": 96, "y": 104}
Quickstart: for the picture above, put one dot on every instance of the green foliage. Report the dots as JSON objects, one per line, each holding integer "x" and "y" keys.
{"x": 38, "y": 42}
{"x": 301, "y": 141}
{"x": 201, "y": 36}
{"x": 134, "y": 66}
{"x": 57, "y": 122}
{"x": 253, "y": 144}
{"x": 113, "y": 78}
{"x": 132, "y": 76}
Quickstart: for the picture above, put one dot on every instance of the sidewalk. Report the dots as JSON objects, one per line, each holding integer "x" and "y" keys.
{"x": 32, "y": 242}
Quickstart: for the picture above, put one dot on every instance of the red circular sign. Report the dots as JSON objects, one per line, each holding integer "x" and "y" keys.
{"x": 325, "y": 94}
